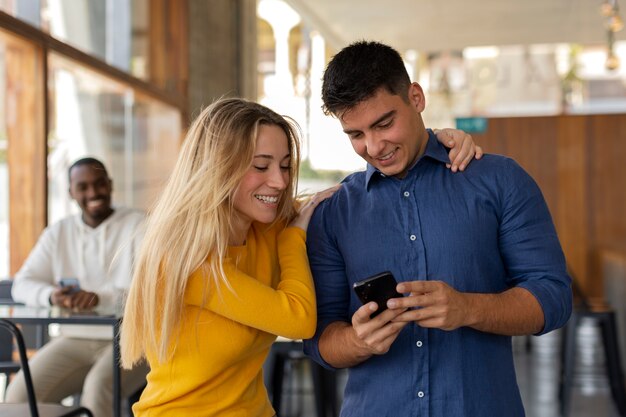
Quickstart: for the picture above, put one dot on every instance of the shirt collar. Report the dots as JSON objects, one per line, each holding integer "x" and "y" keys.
{"x": 434, "y": 150}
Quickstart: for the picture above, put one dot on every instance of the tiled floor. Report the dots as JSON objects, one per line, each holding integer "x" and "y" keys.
{"x": 538, "y": 377}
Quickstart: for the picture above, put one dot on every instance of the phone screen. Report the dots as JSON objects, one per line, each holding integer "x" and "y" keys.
{"x": 378, "y": 288}
{"x": 70, "y": 282}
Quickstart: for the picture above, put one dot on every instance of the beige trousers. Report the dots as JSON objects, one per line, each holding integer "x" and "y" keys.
{"x": 67, "y": 366}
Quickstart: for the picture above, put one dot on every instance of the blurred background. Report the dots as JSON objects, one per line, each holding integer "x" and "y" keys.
{"x": 542, "y": 81}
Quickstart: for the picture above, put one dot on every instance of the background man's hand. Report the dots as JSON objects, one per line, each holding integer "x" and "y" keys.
{"x": 82, "y": 300}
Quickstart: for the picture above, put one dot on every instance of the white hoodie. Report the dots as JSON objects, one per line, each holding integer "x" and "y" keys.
{"x": 101, "y": 258}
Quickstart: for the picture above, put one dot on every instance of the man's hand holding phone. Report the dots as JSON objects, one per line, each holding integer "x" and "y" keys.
{"x": 69, "y": 295}
{"x": 373, "y": 322}
{"x": 435, "y": 304}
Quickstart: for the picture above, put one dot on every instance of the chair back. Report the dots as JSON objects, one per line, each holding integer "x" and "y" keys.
{"x": 5, "y": 291}
{"x": 7, "y": 366}
{"x": 579, "y": 296}
{"x": 21, "y": 347}
{"x": 6, "y": 346}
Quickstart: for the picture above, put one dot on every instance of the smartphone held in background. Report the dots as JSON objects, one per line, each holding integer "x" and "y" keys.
{"x": 71, "y": 283}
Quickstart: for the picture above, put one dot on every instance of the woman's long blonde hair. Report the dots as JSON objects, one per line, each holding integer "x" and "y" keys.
{"x": 192, "y": 220}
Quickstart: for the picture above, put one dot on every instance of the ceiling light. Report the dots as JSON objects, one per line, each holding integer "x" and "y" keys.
{"x": 612, "y": 62}
{"x": 606, "y": 9}
{"x": 610, "y": 10}
{"x": 615, "y": 23}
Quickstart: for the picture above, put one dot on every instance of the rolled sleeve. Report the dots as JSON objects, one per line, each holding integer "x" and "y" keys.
{"x": 531, "y": 250}
{"x": 327, "y": 266}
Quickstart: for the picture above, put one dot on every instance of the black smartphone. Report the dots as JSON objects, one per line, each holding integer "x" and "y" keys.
{"x": 70, "y": 282}
{"x": 379, "y": 288}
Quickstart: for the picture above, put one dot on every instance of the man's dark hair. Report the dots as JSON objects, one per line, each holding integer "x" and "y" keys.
{"x": 358, "y": 71}
{"x": 86, "y": 161}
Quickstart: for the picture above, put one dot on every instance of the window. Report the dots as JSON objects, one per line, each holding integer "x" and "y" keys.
{"x": 115, "y": 31}
{"x": 90, "y": 114}
{"x": 73, "y": 83}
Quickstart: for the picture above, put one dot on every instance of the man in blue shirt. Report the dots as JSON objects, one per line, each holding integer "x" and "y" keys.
{"x": 476, "y": 255}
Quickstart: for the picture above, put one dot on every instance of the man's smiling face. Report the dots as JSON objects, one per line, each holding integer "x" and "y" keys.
{"x": 388, "y": 131}
{"x": 91, "y": 187}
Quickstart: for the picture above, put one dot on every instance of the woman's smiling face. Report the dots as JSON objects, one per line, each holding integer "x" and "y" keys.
{"x": 261, "y": 188}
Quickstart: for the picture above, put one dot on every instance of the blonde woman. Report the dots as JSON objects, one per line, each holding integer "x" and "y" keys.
{"x": 223, "y": 268}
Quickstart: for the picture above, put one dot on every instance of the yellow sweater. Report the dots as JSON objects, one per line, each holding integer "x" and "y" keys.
{"x": 216, "y": 369}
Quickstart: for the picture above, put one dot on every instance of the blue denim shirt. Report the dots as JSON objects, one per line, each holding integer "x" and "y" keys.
{"x": 484, "y": 230}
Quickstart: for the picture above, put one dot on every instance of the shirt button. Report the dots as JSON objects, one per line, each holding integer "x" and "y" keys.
{"x": 412, "y": 237}
{"x": 406, "y": 193}
{"x": 418, "y": 343}
{"x": 420, "y": 394}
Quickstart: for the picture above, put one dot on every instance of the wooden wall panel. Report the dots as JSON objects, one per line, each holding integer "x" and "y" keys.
{"x": 607, "y": 185}
{"x": 607, "y": 149}
{"x": 532, "y": 143}
{"x": 578, "y": 163}
{"x": 27, "y": 147}
{"x": 572, "y": 211}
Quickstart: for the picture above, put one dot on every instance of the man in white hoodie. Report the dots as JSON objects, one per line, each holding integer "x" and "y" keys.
{"x": 96, "y": 248}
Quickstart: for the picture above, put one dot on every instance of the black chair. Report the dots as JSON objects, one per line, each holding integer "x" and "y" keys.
{"x": 5, "y": 292}
{"x": 35, "y": 335}
{"x": 133, "y": 398}
{"x": 604, "y": 316}
{"x": 7, "y": 365}
{"x": 283, "y": 356}
{"x": 33, "y": 408}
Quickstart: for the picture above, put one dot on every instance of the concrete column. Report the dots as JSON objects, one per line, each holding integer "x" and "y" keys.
{"x": 222, "y": 51}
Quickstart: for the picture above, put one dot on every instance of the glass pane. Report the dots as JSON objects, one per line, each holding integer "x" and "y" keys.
{"x": 116, "y": 31}
{"x": 81, "y": 24}
{"x": 91, "y": 115}
{"x": 18, "y": 69}
{"x": 156, "y": 138}
{"x": 26, "y": 10}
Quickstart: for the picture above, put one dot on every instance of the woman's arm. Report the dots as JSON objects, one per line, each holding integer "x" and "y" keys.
{"x": 289, "y": 310}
